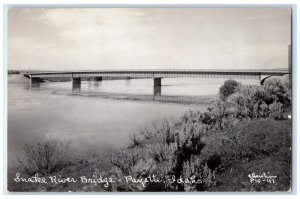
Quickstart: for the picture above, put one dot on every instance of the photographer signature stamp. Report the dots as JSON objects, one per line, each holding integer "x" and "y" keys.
{"x": 264, "y": 177}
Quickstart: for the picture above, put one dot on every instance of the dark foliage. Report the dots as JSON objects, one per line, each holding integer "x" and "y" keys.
{"x": 228, "y": 88}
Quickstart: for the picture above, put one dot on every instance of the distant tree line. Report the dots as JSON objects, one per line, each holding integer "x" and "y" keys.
{"x": 11, "y": 72}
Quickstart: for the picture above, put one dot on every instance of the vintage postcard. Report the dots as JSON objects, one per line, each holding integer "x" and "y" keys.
{"x": 141, "y": 99}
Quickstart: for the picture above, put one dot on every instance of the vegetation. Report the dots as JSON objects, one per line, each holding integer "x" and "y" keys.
{"x": 11, "y": 72}
{"x": 228, "y": 88}
{"x": 45, "y": 157}
{"x": 245, "y": 131}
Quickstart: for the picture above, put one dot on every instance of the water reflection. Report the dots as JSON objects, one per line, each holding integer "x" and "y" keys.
{"x": 157, "y": 98}
{"x": 76, "y": 88}
{"x": 157, "y": 90}
{"x": 127, "y": 82}
{"x": 97, "y": 84}
{"x": 34, "y": 85}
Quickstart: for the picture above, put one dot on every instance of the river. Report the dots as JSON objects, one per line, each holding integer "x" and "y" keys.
{"x": 94, "y": 124}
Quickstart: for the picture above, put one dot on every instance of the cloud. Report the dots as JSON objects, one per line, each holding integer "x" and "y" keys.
{"x": 104, "y": 38}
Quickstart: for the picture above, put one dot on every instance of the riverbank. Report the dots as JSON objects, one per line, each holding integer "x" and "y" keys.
{"x": 250, "y": 148}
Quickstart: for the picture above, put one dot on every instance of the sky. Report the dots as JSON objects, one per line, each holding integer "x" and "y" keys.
{"x": 148, "y": 38}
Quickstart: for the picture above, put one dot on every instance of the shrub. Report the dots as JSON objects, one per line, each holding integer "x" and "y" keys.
{"x": 276, "y": 111}
{"x": 278, "y": 91}
{"x": 264, "y": 110}
{"x": 173, "y": 150}
{"x": 126, "y": 159}
{"x": 45, "y": 157}
{"x": 228, "y": 88}
{"x": 219, "y": 115}
{"x": 135, "y": 140}
{"x": 253, "y": 102}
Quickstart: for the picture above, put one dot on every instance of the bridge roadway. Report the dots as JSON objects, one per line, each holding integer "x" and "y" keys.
{"x": 157, "y": 75}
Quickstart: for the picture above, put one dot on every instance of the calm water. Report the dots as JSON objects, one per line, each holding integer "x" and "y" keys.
{"x": 93, "y": 124}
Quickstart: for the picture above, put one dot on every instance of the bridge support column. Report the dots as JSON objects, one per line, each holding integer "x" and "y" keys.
{"x": 98, "y": 79}
{"x": 157, "y": 86}
{"x": 76, "y": 81}
{"x": 35, "y": 82}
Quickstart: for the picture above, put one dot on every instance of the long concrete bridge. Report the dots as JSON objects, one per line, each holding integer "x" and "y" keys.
{"x": 157, "y": 75}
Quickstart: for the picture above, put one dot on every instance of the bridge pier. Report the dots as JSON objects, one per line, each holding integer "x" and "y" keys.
{"x": 97, "y": 79}
{"x": 35, "y": 82}
{"x": 76, "y": 82}
{"x": 157, "y": 86}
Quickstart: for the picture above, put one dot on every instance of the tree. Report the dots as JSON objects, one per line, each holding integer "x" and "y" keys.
{"x": 228, "y": 88}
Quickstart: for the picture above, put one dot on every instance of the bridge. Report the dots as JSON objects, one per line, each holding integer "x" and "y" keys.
{"x": 157, "y": 75}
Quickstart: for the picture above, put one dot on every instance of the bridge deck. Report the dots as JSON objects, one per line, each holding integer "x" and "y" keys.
{"x": 211, "y": 73}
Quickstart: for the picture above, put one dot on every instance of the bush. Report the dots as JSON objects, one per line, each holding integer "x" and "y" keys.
{"x": 45, "y": 157}
{"x": 264, "y": 110}
{"x": 219, "y": 115}
{"x": 276, "y": 111}
{"x": 253, "y": 102}
{"x": 172, "y": 150}
{"x": 276, "y": 90}
{"x": 228, "y": 88}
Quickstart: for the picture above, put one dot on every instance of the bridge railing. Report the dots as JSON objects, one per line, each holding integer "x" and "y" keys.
{"x": 213, "y": 73}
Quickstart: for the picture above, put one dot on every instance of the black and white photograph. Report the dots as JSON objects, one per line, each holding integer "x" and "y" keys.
{"x": 149, "y": 99}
